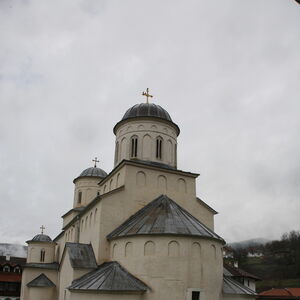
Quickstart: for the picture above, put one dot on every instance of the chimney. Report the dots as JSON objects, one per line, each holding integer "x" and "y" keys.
{"x": 7, "y": 257}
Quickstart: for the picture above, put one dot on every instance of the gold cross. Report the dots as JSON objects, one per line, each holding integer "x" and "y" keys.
{"x": 42, "y": 228}
{"x": 147, "y": 95}
{"x": 95, "y": 160}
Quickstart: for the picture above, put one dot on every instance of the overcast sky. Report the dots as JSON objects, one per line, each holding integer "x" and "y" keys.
{"x": 227, "y": 71}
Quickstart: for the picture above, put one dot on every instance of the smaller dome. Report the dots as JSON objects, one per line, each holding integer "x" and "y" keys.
{"x": 41, "y": 238}
{"x": 94, "y": 172}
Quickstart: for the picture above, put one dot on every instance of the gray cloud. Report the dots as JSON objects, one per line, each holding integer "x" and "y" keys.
{"x": 228, "y": 73}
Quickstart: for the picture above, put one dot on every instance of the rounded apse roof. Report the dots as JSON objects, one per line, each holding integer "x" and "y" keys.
{"x": 41, "y": 238}
{"x": 143, "y": 110}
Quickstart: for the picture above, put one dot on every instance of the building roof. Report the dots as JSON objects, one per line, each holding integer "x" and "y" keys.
{"x": 146, "y": 110}
{"x": 13, "y": 261}
{"x": 41, "y": 281}
{"x": 230, "y": 286}
{"x": 10, "y": 277}
{"x": 163, "y": 216}
{"x": 47, "y": 266}
{"x": 92, "y": 172}
{"x": 41, "y": 238}
{"x": 237, "y": 272}
{"x": 81, "y": 255}
{"x": 286, "y": 292}
{"x": 109, "y": 276}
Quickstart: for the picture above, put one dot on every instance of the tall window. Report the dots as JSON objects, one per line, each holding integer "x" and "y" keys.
{"x": 159, "y": 148}
{"x": 117, "y": 153}
{"x": 79, "y": 197}
{"x": 134, "y": 146}
{"x": 42, "y": 255}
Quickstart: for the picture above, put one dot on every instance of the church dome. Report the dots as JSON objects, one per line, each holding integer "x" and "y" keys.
{"x": 41, "y": 238}
{"x": 146, "y": 110}
{"x": 93, "y": 172}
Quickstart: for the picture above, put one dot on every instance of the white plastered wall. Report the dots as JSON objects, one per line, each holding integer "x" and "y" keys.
{"x": 89, "y": 188}
{"x": 170, "y": 265}
{"x": 147, "y": 131}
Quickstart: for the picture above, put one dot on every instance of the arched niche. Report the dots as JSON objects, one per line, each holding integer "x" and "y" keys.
{"x": 169, "y": 151}
{"x": 173, "y": 249}
{"x": 141, "y": 127}
{"x": 181, "y": 184}
{"x": 123, "y": 149}
{"x": 111, "y": 184}
{"x": 114, "y": 250}
{"x": 140, "y": 179}
{"x": 196, "y": 250}
{"x": 118, "y": 180}
{"x": 149, "y": 248}
{"x": 128, "y": 249}
{"x": 146, "y": 147}
{"x": 214, "y": 251}
{"x": 162, "y": 183}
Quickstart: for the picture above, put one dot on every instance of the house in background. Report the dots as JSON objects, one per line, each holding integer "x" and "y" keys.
{"x": 10, "y": 277}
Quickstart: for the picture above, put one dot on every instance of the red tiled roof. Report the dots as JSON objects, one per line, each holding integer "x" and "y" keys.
{"x": 10, "y": 277}
{"x": 287, "y": 292}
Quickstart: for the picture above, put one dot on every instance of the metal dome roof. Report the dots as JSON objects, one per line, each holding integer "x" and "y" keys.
{"x": 147, "y": 110}
{"x": 41, "y": 238}
{"x": 94, "y": 172}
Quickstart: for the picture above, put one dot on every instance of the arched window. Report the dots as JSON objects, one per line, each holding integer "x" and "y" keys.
{"x": 79, "y": 197}
{"x": 159, "y": 148}
{"x": 117, "y": 153}
{"x": 134, "y": 146}
{"x": 17, "y": 270}
{"x": 42, "y": 258}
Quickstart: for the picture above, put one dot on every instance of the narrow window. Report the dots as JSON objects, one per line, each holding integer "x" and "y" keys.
{"x": 134, "y": 146}
{"x": 79, "y": 197}
{"x": 117, "y": 153}
{"x": 42, "y": 255}
{"x": 159, "y": 148}
{"x": 195, "y": 295}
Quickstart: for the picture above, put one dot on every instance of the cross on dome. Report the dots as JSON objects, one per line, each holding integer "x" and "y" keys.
{"x": 147, "y": 95}
{"x": 42, "y": 228}
{"x": 95, "y": 160}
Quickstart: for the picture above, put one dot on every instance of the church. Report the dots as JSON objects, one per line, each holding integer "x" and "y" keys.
{"x": 138, "y": 232}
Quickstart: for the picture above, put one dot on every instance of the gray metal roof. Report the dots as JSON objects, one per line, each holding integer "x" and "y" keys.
{"x": 147, "y": 110}
{"x": 109, "y": 276}
{"x": 230, "y": 286}
{"x": 51, "y": 266}
{"x": 94, "y": 172}
{"x": 163, "y": 216}
{"x": 41, "y": 238}
{"x": 41, "y": 281}
{"x": 81, "y": 255}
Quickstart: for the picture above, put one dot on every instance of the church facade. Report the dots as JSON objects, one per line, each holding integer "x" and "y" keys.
{"x": 139, "y": 232}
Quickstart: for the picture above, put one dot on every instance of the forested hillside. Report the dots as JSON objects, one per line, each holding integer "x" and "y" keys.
{"x": 279, "y": 265}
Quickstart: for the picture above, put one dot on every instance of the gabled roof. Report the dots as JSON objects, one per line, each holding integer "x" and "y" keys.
{"x": 81, "y": 255}
{"x": 230, "y": 286}
{"x": 237, "y": 272}
{"x": 109, "y": 276}
{"x": 163, "y": 216}
{"x": 41, "y": 281}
